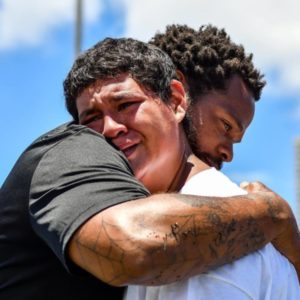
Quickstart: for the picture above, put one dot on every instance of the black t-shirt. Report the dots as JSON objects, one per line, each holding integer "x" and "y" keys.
{"x": 59, "y": 182}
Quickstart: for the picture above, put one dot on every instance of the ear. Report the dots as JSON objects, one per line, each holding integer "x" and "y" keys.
{"x": 179, "y": 102}
{"x": 182, "y": 79}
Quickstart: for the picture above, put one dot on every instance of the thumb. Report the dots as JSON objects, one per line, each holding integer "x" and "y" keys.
{"x": 252, "y": 187}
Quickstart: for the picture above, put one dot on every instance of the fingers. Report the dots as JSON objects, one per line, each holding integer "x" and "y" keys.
{"x": 244, "y": 184}
{"x": 252, "y": 187}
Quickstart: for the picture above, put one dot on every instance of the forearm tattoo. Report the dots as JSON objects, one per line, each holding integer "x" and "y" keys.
{"x": 192, "y": 244}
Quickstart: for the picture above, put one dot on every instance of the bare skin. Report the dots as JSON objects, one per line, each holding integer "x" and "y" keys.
{"x": 141, "y": 242}
{"x": 165, "y": 238}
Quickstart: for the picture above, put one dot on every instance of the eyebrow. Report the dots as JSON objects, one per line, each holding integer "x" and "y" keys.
{"x": 117, "y": 96}
{"x": 238, "y": 123}
{"x": 236, "y": 120}
{"x": 86, "y": 113}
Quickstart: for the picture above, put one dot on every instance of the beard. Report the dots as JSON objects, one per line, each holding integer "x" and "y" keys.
{"x": 192, "y": 133}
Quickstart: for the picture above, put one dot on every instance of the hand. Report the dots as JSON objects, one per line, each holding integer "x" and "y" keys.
{"x": 287, "y": 242}
{"x": 255, "y": 187}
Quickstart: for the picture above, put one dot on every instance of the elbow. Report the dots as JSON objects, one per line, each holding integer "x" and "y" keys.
{"x": 136, "y": 268}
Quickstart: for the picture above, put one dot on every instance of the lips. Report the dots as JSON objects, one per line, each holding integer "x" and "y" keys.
{"x": 216, "y": 163}
{"x": 127, "y": 147}
{"x": 129, "y": 150}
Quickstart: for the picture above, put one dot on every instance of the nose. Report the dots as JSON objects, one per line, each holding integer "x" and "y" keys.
{"x": 112, "y": 128}
{"x": 226, "y": 152}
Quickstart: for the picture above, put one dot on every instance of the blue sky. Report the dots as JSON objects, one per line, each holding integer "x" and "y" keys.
{"x": 37, "y": 50}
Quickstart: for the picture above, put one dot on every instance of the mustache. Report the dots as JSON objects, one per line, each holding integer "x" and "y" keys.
{"x": 209, "y": 160}
{"x": 204, "y": 156}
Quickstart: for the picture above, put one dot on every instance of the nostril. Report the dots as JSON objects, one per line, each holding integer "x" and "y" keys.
{"x": 224, "y": 157}
{"x": 226, "y": 153}
{"x": 227, "y": 157}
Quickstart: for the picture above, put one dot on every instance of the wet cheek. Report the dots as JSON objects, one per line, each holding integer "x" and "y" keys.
{"x": 96, "y": 126}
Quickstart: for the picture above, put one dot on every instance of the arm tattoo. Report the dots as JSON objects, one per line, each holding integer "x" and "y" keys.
{"x": 189, "y": 244}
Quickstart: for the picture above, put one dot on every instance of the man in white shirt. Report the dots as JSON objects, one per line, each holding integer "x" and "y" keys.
{"x": 262, "y": 275}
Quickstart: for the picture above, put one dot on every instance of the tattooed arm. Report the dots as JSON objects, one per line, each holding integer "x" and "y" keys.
{"x": 164, "y": 238}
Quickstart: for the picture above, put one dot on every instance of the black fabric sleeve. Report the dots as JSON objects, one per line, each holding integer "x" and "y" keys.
{"x": 77, "y": 178}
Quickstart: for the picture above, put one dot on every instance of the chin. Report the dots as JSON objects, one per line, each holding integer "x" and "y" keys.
{"x": 140, "y": 174}
{"x": 219, "y": 167}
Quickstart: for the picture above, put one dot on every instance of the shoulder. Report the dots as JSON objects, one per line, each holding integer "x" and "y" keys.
{"x": 75, "y": 148}
{"x": 211, "y": 182}
{"x": 72, "y": 142}
{"x": 65, "y": 133}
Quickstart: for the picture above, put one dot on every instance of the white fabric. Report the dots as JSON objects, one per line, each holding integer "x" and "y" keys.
{"x": 262, "y": 275}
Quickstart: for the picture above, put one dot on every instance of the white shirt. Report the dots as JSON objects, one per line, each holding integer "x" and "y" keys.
{"x": 262, "y": 275}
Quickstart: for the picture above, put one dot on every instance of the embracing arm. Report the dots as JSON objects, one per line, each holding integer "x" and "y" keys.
{"x": 165, "y": 238}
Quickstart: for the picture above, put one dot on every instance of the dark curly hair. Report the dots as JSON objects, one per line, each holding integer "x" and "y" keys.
{"x": 147, "y": 64}
{"x": 208, "y": 58}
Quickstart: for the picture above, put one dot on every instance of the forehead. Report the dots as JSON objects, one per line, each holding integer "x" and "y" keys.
{"x": 236, "y": 100}
{"x": 122, "y": 82}
{"x": 116, "y": 88}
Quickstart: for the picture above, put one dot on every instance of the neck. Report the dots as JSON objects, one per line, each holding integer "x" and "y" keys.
{"x": 188, "y": 167}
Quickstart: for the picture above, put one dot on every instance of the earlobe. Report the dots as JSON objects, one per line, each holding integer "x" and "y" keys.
{"x": 179, "y": 101}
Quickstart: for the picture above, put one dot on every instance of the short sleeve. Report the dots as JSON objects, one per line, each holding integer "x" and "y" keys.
{"x": 78, "y": 177}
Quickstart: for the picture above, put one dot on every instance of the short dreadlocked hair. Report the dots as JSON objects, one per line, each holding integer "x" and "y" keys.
{"x": 208, "y": 58}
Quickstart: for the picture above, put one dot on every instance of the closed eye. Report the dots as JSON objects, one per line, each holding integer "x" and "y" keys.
{"x": 125, "y": 105}
{"x": 92, "y": 119}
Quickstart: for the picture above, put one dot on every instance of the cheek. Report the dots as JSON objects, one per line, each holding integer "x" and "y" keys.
{"x": 97, "y": 126}
{"x": 159, "y": 149}
{"x": 160, "y": 129}
{"x": 207, "y": 138}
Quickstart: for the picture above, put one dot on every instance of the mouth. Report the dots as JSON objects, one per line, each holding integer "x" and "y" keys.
{"x": 128, "y": 151}
{"x": 127, "y": 144}
{"x": 216, "y": 163}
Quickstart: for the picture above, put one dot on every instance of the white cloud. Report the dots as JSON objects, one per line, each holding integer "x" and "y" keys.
{"x": 29, "y": 22}
{"x": 269, "y": 28}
